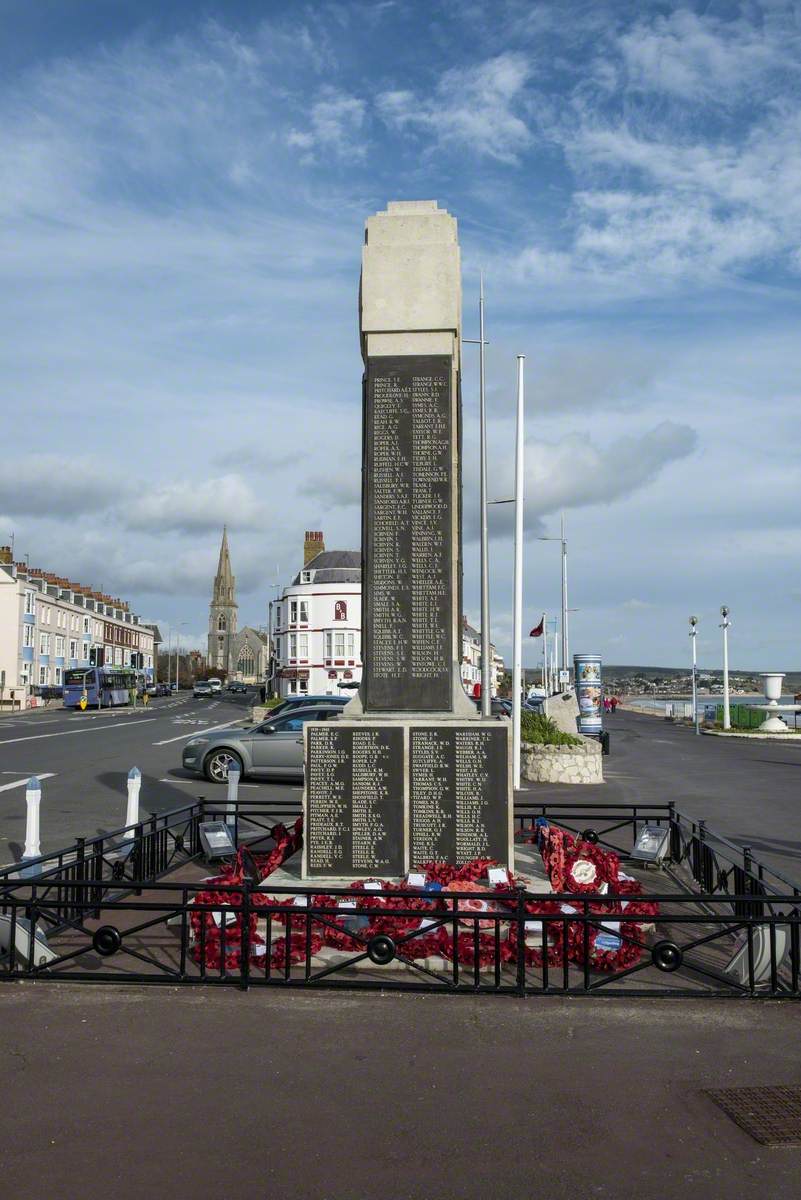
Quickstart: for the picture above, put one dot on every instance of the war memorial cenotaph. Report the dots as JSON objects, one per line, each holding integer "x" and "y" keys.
{"x": 410, "y": 772}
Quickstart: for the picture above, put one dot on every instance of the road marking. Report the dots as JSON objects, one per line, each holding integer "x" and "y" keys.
{"x": 35, "y": 737}
{"x": 6, "y": 787}
{"x": 194, "y": 733}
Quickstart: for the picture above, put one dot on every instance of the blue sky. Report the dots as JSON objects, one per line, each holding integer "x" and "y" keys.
{"x": 183, "y": 202}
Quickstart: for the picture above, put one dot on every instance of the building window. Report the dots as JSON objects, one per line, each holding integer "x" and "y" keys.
{"x": 278, "y": 616}
{"x": 86, "y": 624}
{"x": 293, "y": 645}
{"x": 221, "y": 624}
{"x": 351, "y": 645}
{"x": 44, "y": 643}
{"x": 57, "y": 675}
{"x": 73, "y": 648}
{"x": 59, "y": 646}
{"x": 43, "y": 675}
{"x": 305, "y": 577}
{"x": 27, "y": 635}
{"x": 303, "y": 645}
{"x": 118, "y": 656}
{"x": 339, "y": 644}
{"x": 304, "y": 612}
{"x": 30, "y": 606}
{"x": 247, "y": 662}
{"x": 329, "y": 644}
{"x": 293, "y": 612}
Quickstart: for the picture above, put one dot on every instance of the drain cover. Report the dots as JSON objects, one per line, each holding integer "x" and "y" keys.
{"x": 771, "y": 1115}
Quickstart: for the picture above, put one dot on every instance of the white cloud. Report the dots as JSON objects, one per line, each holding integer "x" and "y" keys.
{"x": 477, "y": 108}
{"x": 337, "y": 125}
{"x": 197, "y": 504}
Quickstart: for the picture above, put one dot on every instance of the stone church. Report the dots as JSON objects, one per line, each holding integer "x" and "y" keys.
{"x": 238, "y": 654}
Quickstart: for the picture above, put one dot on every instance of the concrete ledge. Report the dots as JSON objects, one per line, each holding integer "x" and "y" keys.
{"x": 756, "y": 736}
{"x": 562, "y": 764}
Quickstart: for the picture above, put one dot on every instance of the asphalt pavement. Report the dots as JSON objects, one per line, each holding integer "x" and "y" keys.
{"x": 83, "y": 759}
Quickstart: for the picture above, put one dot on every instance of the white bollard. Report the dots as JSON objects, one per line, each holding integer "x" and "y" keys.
{"x": 33, "y": 798}
{"x": 233, "y": 791}
{"x": 132, "y": 815}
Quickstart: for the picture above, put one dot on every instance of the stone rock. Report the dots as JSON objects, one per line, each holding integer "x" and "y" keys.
{"x": 562, "y": 764}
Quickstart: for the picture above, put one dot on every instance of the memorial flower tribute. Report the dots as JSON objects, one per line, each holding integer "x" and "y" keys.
{"x": 446, "y": 911}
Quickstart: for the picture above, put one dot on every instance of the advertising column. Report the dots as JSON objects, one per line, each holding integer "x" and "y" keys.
{"x": 588, "y": 692}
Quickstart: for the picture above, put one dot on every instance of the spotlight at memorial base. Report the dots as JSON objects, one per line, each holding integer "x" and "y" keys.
{"x": 760, "y": 954}
{"x": 652, "y": 843}
{"x": 216, "y": 840}
{"x": 42, "y": 954}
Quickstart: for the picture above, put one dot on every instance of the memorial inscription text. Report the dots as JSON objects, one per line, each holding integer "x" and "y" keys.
{"x": 354, "y": 801}
{"x": 408, "y": 584}
{"x": 458, "y": 794}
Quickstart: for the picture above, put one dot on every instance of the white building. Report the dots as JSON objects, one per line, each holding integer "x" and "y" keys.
{"x": 471, "y": 662}
{"x": 49, "y": 625}
{"x": 317, "y": 624}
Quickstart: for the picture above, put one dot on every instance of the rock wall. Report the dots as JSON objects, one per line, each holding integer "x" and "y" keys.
{"x": 562, "y": 764}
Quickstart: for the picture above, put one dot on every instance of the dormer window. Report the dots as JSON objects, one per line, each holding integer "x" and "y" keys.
{"x": 306, "y": 576}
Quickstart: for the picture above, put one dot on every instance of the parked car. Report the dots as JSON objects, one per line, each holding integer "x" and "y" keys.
{"x": 162, "y": 689}
{"x": 152, "y": 689}
{"x": 215, "y": 683}
{"x": 237, "y": 687}
{"x": 202, "y": 688}
{"x": 273, "y": 748}
{"x": 293, "y": 702}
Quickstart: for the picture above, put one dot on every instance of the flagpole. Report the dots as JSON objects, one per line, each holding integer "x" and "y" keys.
{"x": 517, "y": 649}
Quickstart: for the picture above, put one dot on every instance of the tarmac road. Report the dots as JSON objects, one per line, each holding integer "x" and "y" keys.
{"x": 83, "y": 759}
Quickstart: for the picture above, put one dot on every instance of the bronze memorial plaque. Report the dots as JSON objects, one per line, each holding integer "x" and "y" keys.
{"x": 408, "y": 572}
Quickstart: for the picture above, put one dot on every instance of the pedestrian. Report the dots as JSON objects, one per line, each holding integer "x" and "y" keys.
{"x": 614, "y": 703}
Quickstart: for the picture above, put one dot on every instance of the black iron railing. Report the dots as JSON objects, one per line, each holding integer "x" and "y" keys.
{"x": 109, "y": 915}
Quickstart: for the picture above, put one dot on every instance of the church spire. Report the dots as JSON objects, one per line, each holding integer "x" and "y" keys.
{"x": 224, "y": 581}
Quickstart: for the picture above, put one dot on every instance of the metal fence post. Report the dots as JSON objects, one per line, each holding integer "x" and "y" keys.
{"x": 521, "y": 941}
{"x": 244, "y": 944}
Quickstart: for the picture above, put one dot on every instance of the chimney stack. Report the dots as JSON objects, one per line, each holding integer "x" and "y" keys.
{"x": 312, "y": 546}
{"x": 5, "y": 554}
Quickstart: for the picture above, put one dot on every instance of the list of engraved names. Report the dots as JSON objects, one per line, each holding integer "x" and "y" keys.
{"x": 354, "y": 800}
{"x": 458, "y": 794}
{"x": 408, "y": 584}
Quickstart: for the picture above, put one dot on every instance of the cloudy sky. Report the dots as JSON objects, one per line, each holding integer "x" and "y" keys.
{"x": 184, "y": 191}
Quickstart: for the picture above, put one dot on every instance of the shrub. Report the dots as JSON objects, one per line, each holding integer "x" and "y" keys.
{"x": 540, "y": 730}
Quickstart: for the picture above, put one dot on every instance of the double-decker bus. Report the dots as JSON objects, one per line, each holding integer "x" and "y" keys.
{"x": 103, "y": 687}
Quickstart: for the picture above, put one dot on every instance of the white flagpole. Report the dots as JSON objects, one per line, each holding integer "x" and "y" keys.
{"x": 517, "y": 649}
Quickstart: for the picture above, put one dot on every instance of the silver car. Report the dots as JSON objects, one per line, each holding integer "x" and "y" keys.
{"x": 272, "y": 749}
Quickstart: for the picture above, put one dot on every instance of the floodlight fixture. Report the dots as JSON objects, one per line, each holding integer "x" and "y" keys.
{"x": 760, "y": 955}
{"x": 652, "y": 843}
{"x": 215, "y": 837}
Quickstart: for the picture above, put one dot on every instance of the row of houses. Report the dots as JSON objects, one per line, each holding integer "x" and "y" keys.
{"x": 49, "y": 624}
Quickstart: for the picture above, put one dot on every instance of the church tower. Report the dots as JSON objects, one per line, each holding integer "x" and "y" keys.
{"x": 222, "y": 613}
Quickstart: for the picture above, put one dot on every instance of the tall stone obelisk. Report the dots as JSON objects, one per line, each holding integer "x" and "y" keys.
{"x": 410, "y": 772}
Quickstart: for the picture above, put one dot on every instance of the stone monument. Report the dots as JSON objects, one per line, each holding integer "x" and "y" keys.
{"x": 410, "y": 772}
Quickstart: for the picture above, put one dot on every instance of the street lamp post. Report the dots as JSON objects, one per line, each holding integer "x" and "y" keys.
{"x": 693, "y": 635}
{"x": 177, "y": 652}
{"x": 486, "y": 657}
{"x": 724, "y": 612}
{"x": 565, "y": 664}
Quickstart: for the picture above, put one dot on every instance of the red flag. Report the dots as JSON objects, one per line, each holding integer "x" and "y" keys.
{"x": 537, "y": 630}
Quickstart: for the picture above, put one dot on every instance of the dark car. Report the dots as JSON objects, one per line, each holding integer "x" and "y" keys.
{"x": 273, "y": 748}
{"x": 237, "y": 687}
{"x": 293, "y": 702}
